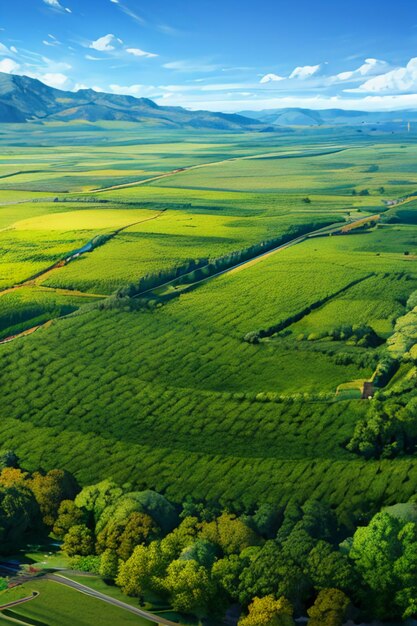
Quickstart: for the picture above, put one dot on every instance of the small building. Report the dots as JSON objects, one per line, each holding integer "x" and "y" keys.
{"x": 368, "y": 390}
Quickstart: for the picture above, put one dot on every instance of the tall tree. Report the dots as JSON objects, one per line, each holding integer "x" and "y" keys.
{"x": 268, "y": 611}
{"x": 329, "y": 608}
{"x": 50, "y": 489}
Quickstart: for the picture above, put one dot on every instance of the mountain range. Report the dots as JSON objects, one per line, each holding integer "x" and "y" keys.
{"x": 330, "y": 117}
{"x": 24, "y": 99}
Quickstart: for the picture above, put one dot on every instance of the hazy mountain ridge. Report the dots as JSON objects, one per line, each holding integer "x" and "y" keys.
{"x": 330, "y": 117}
{"x": 25, "y": 99}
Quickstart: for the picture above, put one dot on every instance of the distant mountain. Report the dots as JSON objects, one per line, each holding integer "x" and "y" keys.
{"x": 24, "y": 99}
{"x": 329, "y": 117}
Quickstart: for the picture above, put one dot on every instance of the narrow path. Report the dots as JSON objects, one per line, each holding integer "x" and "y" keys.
{"x": 25, "y": 333}
{"x": 156, "y": 619}
{"x": 10, "y": 605}
{"x": 189, "y": 168}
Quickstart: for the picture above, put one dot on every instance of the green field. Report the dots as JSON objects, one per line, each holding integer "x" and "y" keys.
{"x": 57, "y": 605}
{"x": 228, "y": 388}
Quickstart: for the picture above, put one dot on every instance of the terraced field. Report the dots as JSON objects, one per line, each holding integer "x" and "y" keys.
{"x": 244, "y": 386}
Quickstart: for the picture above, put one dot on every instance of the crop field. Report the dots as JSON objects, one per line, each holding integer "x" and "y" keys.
{"x": 337, "y": 170}
{"x": 221, "y": 383}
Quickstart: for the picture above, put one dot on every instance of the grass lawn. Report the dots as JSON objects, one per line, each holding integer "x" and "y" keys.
{"x": 57, "y": 605}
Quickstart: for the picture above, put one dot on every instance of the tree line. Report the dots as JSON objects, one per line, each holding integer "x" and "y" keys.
{"x": 276, "y": 562}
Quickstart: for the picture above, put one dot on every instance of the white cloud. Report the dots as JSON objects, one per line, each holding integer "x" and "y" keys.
{"x": 55, "y": 4}
{"x": 191, "y": 66}
{"x": 139, "y": 91}
{"x": 52, "y": 41}
{"x": 268, "y": 78}
{"x": 54, "y": 79}
{"x": 221, "y": 86}
{"x": 399, "y": 80}
{"x": 5, "y": 50}
{"x": 370, "y": 67}
{"x": 105, "y": 43}
{"x": 137, "y": 52}
{"x": 217, "y": 102}
{"x": 8, "y": 66}
{"x": 305, "y": 71}
{"x": 89, "y": 57}
{"x": 134, "y": 16}
{"x": 79, "y": 86}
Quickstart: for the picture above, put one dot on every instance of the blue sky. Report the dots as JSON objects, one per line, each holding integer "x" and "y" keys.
{"x": 225, "y": 55}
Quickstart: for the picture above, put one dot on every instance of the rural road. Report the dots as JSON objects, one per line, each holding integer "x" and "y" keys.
{"x": 102, "y": 596}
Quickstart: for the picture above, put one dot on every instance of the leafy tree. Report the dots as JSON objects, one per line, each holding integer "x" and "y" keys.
{"x": 262, "y": 574}
{"x": 405, "y": 570}
{"x": 189, "y": 586}
{"x": 271, "y": 571}
{"x": 50, "y": 489}
{"x": 293, "y": 513}
{"x": 109, "y": 565}
{"x": 226, "y": 572}
{"x": 266, "y": 520}
{"x": 329, "y": 608}
{"x": 329, "y": 568}
{"x": 149, "y": 502}
{"x": 123, "y": 536}
{"x": 267, "y": 611}
{"x": 387, "y": 429}
{"x": 298, "y": 544}
{"x": 96, "y": 498}
{"x": 385, "y": 554}
{"x": 142, "y": 571}
{"x": 182, "y": 537}
{"x": 202, "y": 552}
{"x": 319, "y": 520}
{"x": 230, "y": 533}
{"x": 204, "y": 511}
{"x": 8, "y": 459}
{"x": 18, "y": 514}
{"x": 68, "y": 515}
{"x": 89, "y": 563}
{"x": 78, "y": 540}
{"x": 13, "y": 477}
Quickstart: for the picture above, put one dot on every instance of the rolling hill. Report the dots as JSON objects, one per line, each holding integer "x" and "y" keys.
{"x": 24, "y": 99}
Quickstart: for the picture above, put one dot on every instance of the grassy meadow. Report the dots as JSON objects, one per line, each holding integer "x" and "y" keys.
{"x": 226, "y": 389}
